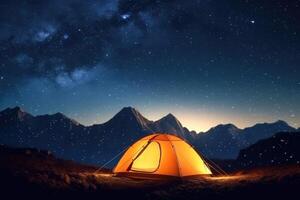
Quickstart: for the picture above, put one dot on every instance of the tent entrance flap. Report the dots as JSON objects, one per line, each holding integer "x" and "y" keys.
{"x": 149, "y": 160}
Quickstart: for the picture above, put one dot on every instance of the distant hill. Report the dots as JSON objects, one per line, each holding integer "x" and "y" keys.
{"x": 280, "y": 149}
{"x": 98, "y": 143}
{"x": 225, "y": 141}
{"x": 14, "y": 159}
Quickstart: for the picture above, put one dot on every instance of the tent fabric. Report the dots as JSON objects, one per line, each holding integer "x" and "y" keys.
{"x": 161, "y": 154}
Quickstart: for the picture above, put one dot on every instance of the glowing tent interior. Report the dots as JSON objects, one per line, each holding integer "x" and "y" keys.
{"x": 159, "y": 155}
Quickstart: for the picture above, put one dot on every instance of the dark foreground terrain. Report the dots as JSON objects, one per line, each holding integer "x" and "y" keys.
{"x": 33, "y": 174}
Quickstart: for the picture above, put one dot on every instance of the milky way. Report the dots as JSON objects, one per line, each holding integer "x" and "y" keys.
{"x": 206, "y": 61}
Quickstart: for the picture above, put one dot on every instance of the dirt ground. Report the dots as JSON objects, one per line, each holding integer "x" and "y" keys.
{"x": 37, "y": 175}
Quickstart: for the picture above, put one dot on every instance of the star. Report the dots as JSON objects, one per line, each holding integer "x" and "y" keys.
{"x": 252, "y": 21}
{"x": 125, "y": 16}
{"x": 66, "y": 36}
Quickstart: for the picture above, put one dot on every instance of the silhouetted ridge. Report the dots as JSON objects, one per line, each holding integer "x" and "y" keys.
{"x": 58, "y": 117}
{"x": 225, "y": 141}
{"x": 229, "y": 127}
{"x": 12, "y": 114}
{"x": 130, "y": 116}
{"x": 170, "y": 116}
{"x": 280, "y": 149}
{"x": 169, "y": 124}
{"x": 99, "y": 143}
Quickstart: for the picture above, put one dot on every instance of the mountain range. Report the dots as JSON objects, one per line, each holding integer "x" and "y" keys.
{"x": 225, "y": 141}
{"x": 98, "y": 143}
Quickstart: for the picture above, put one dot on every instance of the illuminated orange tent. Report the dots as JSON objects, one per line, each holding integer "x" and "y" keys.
{"x": 159, "y": 155}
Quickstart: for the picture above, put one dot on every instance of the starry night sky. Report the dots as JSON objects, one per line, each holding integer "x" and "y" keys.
{"x": 205, "y": 61}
